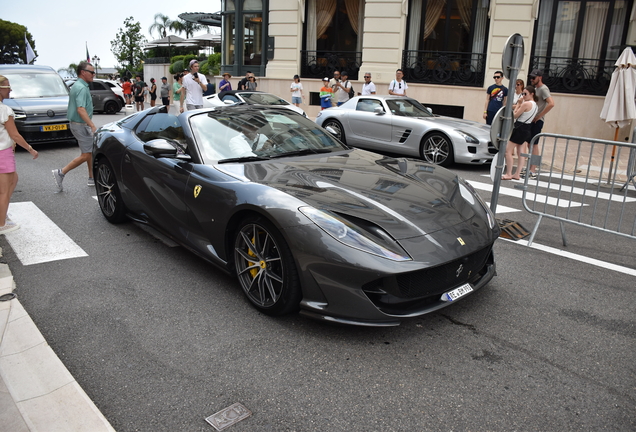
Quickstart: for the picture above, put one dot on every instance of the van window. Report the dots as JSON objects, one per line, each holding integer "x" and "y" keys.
{"x": 36, "y": 85}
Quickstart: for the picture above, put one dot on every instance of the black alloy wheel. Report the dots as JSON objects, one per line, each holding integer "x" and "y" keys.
{"x": 337, "y": 127}
{"x": 108, "y": 195}
{"x": 265, "y": 267}
{"x": 437, "y": 149}
{"x": 112, "y": 107}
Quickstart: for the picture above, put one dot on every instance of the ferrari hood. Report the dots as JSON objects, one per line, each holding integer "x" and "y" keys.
{"x": 406, "y": 197}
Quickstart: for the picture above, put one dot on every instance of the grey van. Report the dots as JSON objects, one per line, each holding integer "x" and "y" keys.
{"x": 39, "y": 100}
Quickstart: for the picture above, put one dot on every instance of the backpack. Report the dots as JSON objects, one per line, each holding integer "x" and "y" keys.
{"x": 351, "y": 92}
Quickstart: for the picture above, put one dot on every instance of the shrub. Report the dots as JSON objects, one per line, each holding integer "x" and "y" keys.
{"x": 176, "y": 67}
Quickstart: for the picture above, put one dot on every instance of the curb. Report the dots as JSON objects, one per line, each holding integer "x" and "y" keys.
{"x": 37, "y": 392}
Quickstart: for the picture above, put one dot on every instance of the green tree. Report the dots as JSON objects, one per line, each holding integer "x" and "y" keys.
{"x": 161, "y": 25}
{"x": 181, "y": 26}
{"x": 128, "y": 45}
{"x": 12, "y": 46}
{"x": 71, "y": 70}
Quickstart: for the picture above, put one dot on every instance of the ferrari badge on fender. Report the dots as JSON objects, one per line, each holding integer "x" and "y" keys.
{"x": 197, "y": 190}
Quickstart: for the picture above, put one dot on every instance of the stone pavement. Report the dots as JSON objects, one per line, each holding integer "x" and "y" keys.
{"x": 37, "y": 392}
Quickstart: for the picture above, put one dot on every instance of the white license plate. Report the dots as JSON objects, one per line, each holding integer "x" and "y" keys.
{"x": 457, "y": 293}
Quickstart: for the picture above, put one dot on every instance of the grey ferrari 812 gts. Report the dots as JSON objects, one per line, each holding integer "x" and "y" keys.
{"x": 304, "y": 222}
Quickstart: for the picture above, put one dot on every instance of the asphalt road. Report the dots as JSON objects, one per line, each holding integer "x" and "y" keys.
{"x": 160, "y": 339}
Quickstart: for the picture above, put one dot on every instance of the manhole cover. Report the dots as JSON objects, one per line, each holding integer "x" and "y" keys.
{"x": 228, "y": 416}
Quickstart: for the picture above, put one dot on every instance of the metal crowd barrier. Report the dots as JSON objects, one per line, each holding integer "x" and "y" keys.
{"x": 582, "y": 181}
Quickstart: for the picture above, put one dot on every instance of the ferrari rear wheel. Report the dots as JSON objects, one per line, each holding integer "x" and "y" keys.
{"x": 108, "y": 195}
{"x": 265, "y": 267}
{"x": 437, "y": 149}
{"x": 336, "y": 126}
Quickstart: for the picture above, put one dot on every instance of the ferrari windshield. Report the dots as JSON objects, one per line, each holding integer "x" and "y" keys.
{"x": 36, "y": 85}
{"x": 262, "y": 99}
{"x": 229, "y": 135}
{"x": 407, "y": 108}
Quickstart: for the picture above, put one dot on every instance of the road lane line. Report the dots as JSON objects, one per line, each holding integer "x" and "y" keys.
{"x": 39, "y": 239}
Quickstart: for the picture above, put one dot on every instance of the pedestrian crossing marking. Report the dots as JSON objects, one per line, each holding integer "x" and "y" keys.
{"x": 530, "y": 196}
{"x": 39, "y": 239}
{"x": 593, "y": 193}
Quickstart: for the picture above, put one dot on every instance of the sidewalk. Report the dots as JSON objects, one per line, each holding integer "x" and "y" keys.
{"x": 37, "y": 392}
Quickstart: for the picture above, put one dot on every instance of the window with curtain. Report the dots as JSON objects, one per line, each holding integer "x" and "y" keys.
{"x": 577, "y": 42}
{"x": 334, "y": 25}
{"x": 448, "y": 25}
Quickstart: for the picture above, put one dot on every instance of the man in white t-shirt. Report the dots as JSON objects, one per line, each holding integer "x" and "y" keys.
{"x": 368, "y": 88}
{"x": 342, "y": 88}
{"x": 195, "y": 84}
{"x": 398, "y": 86}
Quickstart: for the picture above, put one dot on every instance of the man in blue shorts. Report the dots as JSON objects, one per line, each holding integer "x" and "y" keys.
{"x": 80, "y": 115}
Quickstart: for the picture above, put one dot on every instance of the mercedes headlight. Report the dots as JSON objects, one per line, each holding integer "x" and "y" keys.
{"x": 469, "y": 138}
{"x": 377, "y": 243}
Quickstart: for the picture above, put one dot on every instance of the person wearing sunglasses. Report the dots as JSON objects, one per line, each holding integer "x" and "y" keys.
{"x": 519, "y": 86}
{"x": 368, "y": 88}
{"x": 9, "y": 137}
{"x": 397, "y": 87}
{"x": 495, "y": 97}
{"x": 524, "y": 115}
{"x": 80, "y": 116}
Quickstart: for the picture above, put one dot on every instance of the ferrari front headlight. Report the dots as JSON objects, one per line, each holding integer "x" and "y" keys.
{"x": 352, "y": 235}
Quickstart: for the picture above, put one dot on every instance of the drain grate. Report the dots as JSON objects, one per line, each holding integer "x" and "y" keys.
{"x": 228, "y": 416}
{"x": 7, "y": 297}
{"x": 512, "y": 230}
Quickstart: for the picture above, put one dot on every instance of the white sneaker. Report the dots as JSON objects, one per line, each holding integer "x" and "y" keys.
{"x": 8, "y": 227}
{"x": 91, "y": 182}
{"x": 59, "y": 178}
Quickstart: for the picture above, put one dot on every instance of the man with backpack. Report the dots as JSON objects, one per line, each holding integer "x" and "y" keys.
{"x": 344, "y": 89}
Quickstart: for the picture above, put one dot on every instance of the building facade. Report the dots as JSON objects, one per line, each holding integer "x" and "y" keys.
{"x": 448, "y": 49}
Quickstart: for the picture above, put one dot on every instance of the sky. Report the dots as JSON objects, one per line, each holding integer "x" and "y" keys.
{"x": 62, "y": 30}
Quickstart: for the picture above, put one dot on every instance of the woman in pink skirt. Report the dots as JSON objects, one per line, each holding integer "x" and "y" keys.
{"x": 9, "y": 135}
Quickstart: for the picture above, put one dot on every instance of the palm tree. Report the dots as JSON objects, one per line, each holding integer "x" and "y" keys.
{"x": 71, "y": 70}
{"x": 161, "y": 25}
{"x": 187, "y": 27}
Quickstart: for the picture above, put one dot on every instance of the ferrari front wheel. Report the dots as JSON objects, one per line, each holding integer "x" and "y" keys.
{"x": 265, "y": 267}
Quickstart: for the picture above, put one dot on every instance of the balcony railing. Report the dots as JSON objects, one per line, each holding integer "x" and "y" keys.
{"x": 448, "y": 68}
{"x": 320, "y": 64}
{"x": 572, "y": 75}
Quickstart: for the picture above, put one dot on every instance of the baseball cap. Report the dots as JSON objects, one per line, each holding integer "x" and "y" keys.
{"x": 325, "y": 79}
{"x": 536, "y": 73}
{"x": 193, "y": 61}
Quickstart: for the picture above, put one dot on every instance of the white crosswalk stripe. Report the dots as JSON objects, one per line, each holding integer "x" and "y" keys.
{"x": 39, "y": 239}
{"x": 531, "y": 196}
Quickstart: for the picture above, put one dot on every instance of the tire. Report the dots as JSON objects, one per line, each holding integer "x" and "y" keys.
{"x": 337, "y": 126}
{"x": 437, "y": 149}
{"x": 108, "y": 194}
{"x": 265, "y": 267}
{"x": 111, "y": 107}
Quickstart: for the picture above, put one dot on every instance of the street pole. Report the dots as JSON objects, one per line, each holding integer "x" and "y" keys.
{"x": 512, "y": 58}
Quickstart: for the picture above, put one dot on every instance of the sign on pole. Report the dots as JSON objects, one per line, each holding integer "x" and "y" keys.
{"x": 501, "y": 128}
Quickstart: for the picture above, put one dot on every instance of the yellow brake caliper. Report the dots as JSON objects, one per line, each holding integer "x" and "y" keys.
{"x": 262, "y": 264}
